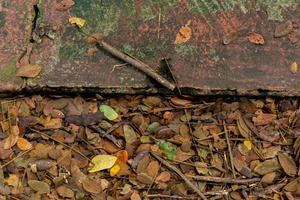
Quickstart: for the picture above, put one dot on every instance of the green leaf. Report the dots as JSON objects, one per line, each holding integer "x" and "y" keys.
{"x": 168, "y": 149}
{"x": 101, "y": 162}
{"x": 109, "y": 112}
{"x": 153, "y": 127}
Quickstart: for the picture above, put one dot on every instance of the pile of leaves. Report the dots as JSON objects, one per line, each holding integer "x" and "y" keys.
{"x": 149, "y": 147}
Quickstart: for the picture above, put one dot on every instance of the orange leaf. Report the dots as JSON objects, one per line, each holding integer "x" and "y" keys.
{"x": 23, "y": 144}
{"x": 122, "y": 155}
{"x": 29, "y": 71}
{"x": 114, "y": 170}
{"x": 184, "y": 34}
{"x": 256, "y": 38}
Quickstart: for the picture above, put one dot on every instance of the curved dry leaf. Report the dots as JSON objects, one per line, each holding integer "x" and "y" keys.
{"x": 29, "y": 70}
{"x": 268, "y": 135}
{"x": 39, "y": 186}
{"x": 129, "y": 134}
{"x": 64, "y": 191}
{"x": 101, "y": 162}
{"x": 243, "y": 128}
{"x": 283, "y": 29}
{"x": 263, "y": 119}
{"x": 287, "y": 163}
{"x": 180, "y": 102}
{"x": 91, "y": 186}
{"x": 10, "y": 141}
{"x": 163, "y": 177}
{"x": 267, "y": 166}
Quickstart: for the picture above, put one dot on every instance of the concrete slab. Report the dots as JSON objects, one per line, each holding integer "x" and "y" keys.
{"x": 189, "y": 33}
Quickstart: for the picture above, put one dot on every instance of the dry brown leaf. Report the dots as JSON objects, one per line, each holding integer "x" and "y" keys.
{"x": 29, "y": 70}
{"x": 230, "y": 37}
{"x": 267, "y": 166}
{"x": 153, "y": 168}
{"x": 65, "y": 5}
{"x": 163, "y": 177}
{"x": 65, "y": 191}
{"x": 287, "y": 163}
{"x": 283, "y": 29}
{"x": 263, "y": 119}
{"x": 91, "y": 186}
{"x": 180, "y": 102}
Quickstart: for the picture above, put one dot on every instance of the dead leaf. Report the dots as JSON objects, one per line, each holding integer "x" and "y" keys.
{"x": 39, "y": 186}
{"x": 163, "y": 177}
{"x": 287, "y": 163}
{"x": 23, "y": 144}
{"x": 153, "y": 168}
{"x": 94, "y": 38}
{"x": 184, "y": 34}
{"x": 129, "y": 134}
{"x": 267, "y": 166}
{"x": 263, "y": 119}
{"x": 101, "y": 162}
{"x": 294, "y": 68}
{"x": 91, "y": 52}
{"x": 12, "y": 180}
{"x": 144, "y": 178}
{"x": 65, "y": 191}
{"x": 180, "y": 102}
{"x": 29, "y": 70}
{"x": 230, "y": 37}
{"x": 77, "y": 21}
{"x": 256, "y": 38}
{"x": 91, "y": 186}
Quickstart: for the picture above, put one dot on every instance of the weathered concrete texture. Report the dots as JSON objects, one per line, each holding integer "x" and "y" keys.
{"x": 147, "y": 30}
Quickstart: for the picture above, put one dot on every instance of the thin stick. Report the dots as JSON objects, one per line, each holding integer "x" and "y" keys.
{"x": 175, "y": 169}
{"x": 225, "y": 180}
{"x": 136, "y": 63}
{"x": 18, "y": 156}
{"x": 48, "y": 136}
{"x": 229, "y": 150}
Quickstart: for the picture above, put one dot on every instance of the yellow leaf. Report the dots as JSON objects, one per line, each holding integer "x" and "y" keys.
{"x": 294, "y": 68}
{"x": 77, "y": 21}
{"x": 101, "y": 162}
{"x": 23, "y": 144}
{"x": 248, "y": 144}
{"x": 114, "y": 170}
{"x": 13, "y": 180}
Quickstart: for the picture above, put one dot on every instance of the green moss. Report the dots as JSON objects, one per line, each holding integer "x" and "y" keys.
{"x": 149, "y": 9}
{"x": 214, "y": 55}
{"x": 8, "y": 72}
{"x": 185, "y": 49}
{"x": 103, "y": 17}
{"x": 143, "y": 51}
{"x": 275, "y": 8}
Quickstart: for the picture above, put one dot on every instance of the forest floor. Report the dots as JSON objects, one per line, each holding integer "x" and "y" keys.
{"x": 149, "y": 147}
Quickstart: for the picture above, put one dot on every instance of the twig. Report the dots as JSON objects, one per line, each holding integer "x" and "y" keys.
{"x": 108, "y": 136}
{"x": 18, "y": 156}
{"x": 52, "y": 138}
{"x": 229, "y": 150}
{"x": 175, "y": 169}
{"x": 136, "y": 63}
{"x": 225, "y": 180}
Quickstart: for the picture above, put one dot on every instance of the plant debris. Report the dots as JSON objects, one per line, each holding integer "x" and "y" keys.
{"x": 149, "y": 147}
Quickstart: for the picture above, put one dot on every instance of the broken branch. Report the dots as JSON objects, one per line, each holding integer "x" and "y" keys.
{"x": 225, "y": 180}
{"x": 175, "y": 169}
{"x": 136, "y": 63}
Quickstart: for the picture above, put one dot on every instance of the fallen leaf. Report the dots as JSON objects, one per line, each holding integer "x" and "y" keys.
{"x": 114, "y": 170}
{"x": 227, "y": 39}
{"x": 248, "y": 144}
{"x": 10, "y": 141}
{"x": 53, "y": 123}
{"x": 129, "y": 134}
{"x": 65, "y": 191}
{"x": 243, "y": 128}
{"x": 268, "y": 135}
{"x": 180, "y": 102}
{"x": 294, "y": 67}
{"x": 39, "y": 186}
{"x": 135, "y": 196}
{"x": 91, "y": 52}
{"x": 91, "y": 186}
{"x": 288, "y": 164}
{"x": 23, "y": 144}
{"x": 184, "y": 34}
{"x": 153, "y": 168}
{"x": 256, "y": 38}
{"x": 263, "y": 119}
{"x": 77, "y": 21}
{"x": 109, "y": 112}
{"x": 122, "y": 156}
{"x": 12, "y": 180}
{"x": 163, "y": 177}
{"x": 101, "y": 162}
{"x": 267, "y": 166}
{"x": 268, "y": 178}
{"x": 144, "y": 178}
{"x": 168, "y": 149}
{"x": 29, "y": 70}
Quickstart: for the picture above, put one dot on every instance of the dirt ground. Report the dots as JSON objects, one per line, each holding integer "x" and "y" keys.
{"x": 149, "y": 147}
